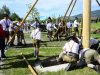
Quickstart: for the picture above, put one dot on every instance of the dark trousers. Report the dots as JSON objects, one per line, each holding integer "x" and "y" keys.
{"x": 2, "y": 46}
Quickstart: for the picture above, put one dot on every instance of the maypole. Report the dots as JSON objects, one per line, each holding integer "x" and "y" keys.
{"x": 86, "y": 22}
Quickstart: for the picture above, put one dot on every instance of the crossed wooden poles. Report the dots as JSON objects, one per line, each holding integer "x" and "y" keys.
{"x": 65, "y": 15}
{"x": 29, "y": 66}
{"x": 32, "y": 69}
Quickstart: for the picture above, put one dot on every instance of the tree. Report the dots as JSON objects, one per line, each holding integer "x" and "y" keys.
{"x": 34, "y": 13}
{"x": 4, "y": 10}
{"x": 14, "y": 16}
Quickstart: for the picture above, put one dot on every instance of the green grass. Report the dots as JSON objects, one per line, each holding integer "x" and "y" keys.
{"x": 15, "y": 65}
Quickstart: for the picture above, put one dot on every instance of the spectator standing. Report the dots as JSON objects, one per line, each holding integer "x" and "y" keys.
{"x": 69, "y": 28}
{"x": 76, "y": 25}
{"x": 49, "y": 28}
{"x": 5, "y": 24}
{"x": 36, "y": 36}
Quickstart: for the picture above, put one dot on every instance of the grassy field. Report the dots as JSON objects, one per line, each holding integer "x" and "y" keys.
{"x": 15, "y": 65}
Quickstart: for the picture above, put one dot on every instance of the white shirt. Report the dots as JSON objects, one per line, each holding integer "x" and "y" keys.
{"x": 73, "y": 45}
{"x": 11, "y": 27}
{"x": 49, "y": 26}
{"x": 69, "y": 25}
{"x": 4, "y": 24}
{"x": 36, "y": 34}
{"x": 76, "y": 24}
{"x": 21, "y": 28}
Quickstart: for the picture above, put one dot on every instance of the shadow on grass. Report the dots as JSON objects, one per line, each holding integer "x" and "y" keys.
{"x": 18, "y": 61}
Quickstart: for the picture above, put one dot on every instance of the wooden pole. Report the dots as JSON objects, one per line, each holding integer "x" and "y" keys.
{"x": 98, "y": 2}
{"x": 70, "y": 13}
{"x": 86, "y": 23}
{"x": 23, "y": 21}
{"x": 67, "y": 9}
{"x": 64, "y": 16}
{"x": 72, "y": 9}
{"x": 29, "y": 66}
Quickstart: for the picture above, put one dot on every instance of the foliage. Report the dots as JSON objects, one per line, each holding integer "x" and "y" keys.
{"x": 53, "y": 19}
{"x": 14, "y": 16}
{"x": 34, "y": 13}
{"x": 4, "y": 10}
{"x": 15, "y": 65}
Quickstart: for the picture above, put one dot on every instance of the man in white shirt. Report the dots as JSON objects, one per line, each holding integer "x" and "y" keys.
{"x": 36, "y": 36}
{"x": 69, "y": 27}
{"x": 72, "y": 46}
{"x": 5, "y": 24}
{"x": 49, "y": 28}
{"x": 76, "y": 25}
{"x": 70, "y": 51}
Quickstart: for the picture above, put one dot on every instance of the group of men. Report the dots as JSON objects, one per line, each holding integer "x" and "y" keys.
{"x": 61, "y": 28}
{"x": 72, "y": 52}
{"x": 76, "y": 55}
{"x": 7, "y": 30}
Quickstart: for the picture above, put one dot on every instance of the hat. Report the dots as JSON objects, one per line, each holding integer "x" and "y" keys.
{"x": 5, "y": 15}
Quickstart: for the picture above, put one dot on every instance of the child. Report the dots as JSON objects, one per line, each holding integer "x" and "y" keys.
{"x": 36, "y": 36}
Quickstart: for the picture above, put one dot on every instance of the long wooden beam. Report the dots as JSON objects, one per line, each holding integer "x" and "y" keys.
{"x": 23, "y": 21}
{"x": 98, "y": 2}
{"x": 33, "y": 71}
{"x": 86, "y": 23}
{"x": 71, "y": 10}
{"x": 64, "y": 16}
{"x": 67, "y": 9}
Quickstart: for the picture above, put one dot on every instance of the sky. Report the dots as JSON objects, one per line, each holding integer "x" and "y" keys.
{"x": 46, "y": 8}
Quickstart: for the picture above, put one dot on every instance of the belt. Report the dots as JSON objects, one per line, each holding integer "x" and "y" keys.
{"x": 71, "y": 54}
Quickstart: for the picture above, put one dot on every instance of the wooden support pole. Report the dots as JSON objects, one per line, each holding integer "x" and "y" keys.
{"x": 64, "y": 16}
{"x": 86, "y": 23}
{"x": 67, "y": 9}
{"x": 23, "y": 21}
{"x": 33, "y": 71}
{"x": 72, "y": 9}
{"x": 98, "y": 2}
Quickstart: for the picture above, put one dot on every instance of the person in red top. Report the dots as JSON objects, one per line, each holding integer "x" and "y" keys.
{"x": 2, "y": 42}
